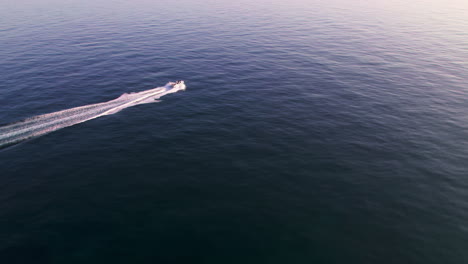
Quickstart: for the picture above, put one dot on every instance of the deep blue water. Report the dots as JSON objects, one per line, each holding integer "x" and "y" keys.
{"x": 310, "y": 132}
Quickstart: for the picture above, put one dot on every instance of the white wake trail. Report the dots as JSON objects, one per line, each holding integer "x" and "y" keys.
{"x": 43, "y": 124}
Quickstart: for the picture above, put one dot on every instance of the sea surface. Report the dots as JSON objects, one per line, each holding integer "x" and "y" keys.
{"x": 310, "y": 132}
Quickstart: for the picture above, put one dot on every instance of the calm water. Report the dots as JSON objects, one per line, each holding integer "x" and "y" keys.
{"x": 310, "y": 132}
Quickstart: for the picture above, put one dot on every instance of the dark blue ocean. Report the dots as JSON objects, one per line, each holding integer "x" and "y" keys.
{"x": 310, "y": 132}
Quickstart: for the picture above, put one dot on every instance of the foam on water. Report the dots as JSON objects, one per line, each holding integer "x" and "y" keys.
{"x": 43, "y": 124}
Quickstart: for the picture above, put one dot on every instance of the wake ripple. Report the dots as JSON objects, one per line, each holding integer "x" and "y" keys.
{"x": 40, "y": 125}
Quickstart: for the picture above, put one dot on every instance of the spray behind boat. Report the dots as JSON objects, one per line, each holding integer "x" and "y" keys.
{"x": 43, "y": 124}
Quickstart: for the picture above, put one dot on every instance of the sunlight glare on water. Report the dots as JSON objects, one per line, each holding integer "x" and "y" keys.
{"x": 311, "y": 132}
